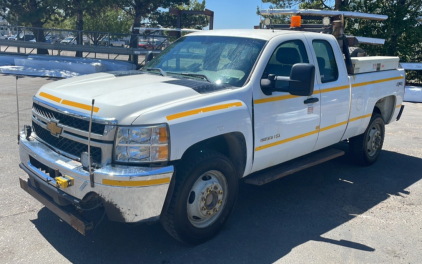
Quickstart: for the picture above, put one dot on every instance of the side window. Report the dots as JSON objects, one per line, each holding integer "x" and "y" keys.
{"x": 284, "y": 57}
{"x": 326, "y": 61}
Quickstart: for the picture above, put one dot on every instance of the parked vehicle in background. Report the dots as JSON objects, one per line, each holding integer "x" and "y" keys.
{"x": 117, "y": 43}
{"x": 14, "y": 37}
{"x": 155, "y": 44}
{"x": 142, "y": 44}
{"x": 69, "y": 41}
{"x": 26, "y": 37}
{"x": 3, "y": 36}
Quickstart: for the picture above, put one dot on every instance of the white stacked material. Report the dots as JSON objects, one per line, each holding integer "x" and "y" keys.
{"x": 412, "y": 66}
{"x": 373, "y": 64}
{"x": 111, "y": 65}
{"x": 58, "y": 66}
{"x": 9, "y": 59}
{"x": 413, "y": 94}
{"x": 77, "y": 67}
{"x": 21, "y": 70}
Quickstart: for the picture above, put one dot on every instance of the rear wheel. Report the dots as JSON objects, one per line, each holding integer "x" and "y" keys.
{"x": 203, "y": 198}
{"x": 366, "y": 148}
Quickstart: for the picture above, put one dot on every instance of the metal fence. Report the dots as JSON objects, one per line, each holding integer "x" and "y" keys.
{"x": 87, "y": 42}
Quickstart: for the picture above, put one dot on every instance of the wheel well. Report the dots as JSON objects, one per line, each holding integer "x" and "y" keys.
{"x": 385, "y": 107}
{"x": 232, "y": 145}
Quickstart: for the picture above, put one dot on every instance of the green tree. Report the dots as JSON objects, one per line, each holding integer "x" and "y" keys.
{"x": 32, "y": 13}
{"x": 402, "y": 32}
{"x": 141, "y": 9}
{"x": 165, "y": 19}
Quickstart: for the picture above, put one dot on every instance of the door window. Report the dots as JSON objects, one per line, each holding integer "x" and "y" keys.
{"x": 284, "y": 57}
{"x": 326, "y": 61}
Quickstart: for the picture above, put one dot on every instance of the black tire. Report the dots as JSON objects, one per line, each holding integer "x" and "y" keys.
{"x": 356, "y": 51}
{"x": 366, "y": 148}
{"x": 174, "y": 217}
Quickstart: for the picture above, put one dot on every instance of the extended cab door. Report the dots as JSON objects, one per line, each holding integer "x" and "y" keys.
{"x": 334, "y": 86}
{"x": 285, "y": 126}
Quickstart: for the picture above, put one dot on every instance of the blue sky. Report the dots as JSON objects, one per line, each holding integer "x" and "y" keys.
{"x": 234, "y": 13}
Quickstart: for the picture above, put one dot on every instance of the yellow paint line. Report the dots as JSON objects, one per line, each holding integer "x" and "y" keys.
{"x": 398, "y": 106}
{"x": 286, "y": 140}
{"x": 360, "y": 117}
{"x": 335, "y": 89}
{"x": 309, "y": 133}
{"x": 275, "y": 98}
{"x": 333, "y": 126}
{"x": 79, "y": 105}
{"x": 51, "y": 97}
{"x": 377, "y": 81}
{"x": 136, "y": 183}
{"x": 203, "y": 110}
{"x": 338, "y": 88}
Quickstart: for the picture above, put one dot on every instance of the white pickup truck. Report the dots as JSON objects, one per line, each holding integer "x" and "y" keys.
{"x": 173, "y": 140}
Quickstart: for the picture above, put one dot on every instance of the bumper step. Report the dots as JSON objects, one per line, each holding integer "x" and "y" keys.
{"x": 290, "y": 167}
{"x": 77, "y": 222}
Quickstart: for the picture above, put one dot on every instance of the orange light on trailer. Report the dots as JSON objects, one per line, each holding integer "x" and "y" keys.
{"x": 295, "y": 21}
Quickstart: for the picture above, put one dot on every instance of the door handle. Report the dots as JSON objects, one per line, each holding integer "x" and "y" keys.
{"x": 311, "y": 100}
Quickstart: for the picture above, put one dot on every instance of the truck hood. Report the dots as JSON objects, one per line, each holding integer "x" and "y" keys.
{"x": 121, "y": 95}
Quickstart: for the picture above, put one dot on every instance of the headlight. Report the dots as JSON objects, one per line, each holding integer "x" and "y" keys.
{"x": 141, "y": 144}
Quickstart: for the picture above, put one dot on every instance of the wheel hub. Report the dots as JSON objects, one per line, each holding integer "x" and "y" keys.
{"x": 207, "y": 199}
{"x": 211, "y": 200}
{"x": 374, "y": 140}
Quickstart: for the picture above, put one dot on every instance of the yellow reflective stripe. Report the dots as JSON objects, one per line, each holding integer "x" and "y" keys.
{"x": 203, "y": 110}
{"x": 360, "y": 117}
{"x": 338, "y": 88}
{"x": 335, "y": 89}
{"x": 333, "y": 126}
{"x": 275, "y": 98}
{"x": 136, "y": 183}
{"x": 309, "y": 133}
{"x": 376, "y": 81}
{"x": 67, "y": 102}
{"x": 79, "y": 105}
{"x": 285, "y": 140}
{"x": 51, "y": 97}
{"x": 398, "y": 106}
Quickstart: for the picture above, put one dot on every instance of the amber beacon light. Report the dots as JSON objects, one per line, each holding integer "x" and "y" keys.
{"x": 295, "y": 21}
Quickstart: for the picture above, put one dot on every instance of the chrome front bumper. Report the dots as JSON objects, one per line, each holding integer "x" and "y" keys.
{"x": 129, "y": 193}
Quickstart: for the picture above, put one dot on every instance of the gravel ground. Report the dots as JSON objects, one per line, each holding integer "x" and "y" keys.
{"x": 335, "y": 212}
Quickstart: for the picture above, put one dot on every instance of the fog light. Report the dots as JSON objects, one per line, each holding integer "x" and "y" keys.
{"x": 86, "y": 160}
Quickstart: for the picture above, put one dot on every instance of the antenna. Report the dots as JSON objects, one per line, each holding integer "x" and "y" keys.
{"x": 91, "y": 175}
{"x": 17, "y": 105}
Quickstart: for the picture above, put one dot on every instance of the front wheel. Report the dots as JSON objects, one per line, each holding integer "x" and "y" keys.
{"x": 203, "y": 198}
{"x": 366, "y": 148}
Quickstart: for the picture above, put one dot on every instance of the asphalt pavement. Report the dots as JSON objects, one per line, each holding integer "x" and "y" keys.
{"x": 336, "y": 212}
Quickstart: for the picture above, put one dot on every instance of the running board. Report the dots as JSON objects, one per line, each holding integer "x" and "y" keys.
{"x": 268, "y": 175}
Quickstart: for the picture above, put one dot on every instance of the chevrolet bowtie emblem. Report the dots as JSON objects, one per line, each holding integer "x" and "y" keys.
{"x": 54, "y": 129}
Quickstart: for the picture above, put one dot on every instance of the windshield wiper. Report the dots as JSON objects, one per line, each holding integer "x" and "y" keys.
{"x": 163, "y": 73}
{"x": 202, "y": 76}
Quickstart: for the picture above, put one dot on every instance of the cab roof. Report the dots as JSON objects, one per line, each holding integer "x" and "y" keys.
{"x": 264, "y": 34}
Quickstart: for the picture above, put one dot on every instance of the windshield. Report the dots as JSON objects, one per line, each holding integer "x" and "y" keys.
{"x": 220, "y": 60}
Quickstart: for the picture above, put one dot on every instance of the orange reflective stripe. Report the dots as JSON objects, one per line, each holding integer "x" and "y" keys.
{"x": 203, "y": 110}
{"x": 51, "y": 97}
{"x": 79, "y": 105}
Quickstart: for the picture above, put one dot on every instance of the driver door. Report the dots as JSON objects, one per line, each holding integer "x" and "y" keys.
{"x": 286, "y": 126}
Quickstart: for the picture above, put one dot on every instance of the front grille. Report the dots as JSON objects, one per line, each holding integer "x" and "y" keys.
{"x": 66, "y": 145}
{"x": 69, "y": 121}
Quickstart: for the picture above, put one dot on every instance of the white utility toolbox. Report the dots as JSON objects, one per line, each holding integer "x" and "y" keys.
{"x": 373, "y": 64}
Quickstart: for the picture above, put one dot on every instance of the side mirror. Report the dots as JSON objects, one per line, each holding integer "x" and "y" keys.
{"x": 300, "y": 82}
{"x": 149, "y": 56}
